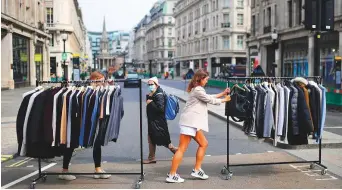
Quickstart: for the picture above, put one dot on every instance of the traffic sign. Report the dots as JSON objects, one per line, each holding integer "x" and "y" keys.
{"x": 64, "y": 56}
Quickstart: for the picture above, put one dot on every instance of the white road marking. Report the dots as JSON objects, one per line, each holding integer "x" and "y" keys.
{"x": 104, "y": 162}
{"x": 30, "y": 166}
{"x": 332, "y": 178}
{"x": 27, "y": 176}
{"x": 238, "y": 153}
{"x": 270, "y": 151}
{"x": 339, "y": 127}
{"x": 208, "y": 155}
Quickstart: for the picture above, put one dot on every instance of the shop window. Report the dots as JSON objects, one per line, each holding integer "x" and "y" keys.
{"x": 20, "y": 59}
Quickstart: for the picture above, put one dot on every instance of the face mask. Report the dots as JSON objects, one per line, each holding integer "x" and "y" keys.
{"x": 151, "y": 88}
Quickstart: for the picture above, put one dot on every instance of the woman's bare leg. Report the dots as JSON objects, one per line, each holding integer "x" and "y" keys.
{"x": 202, "y": 147}
{"x": 184, "y": 141}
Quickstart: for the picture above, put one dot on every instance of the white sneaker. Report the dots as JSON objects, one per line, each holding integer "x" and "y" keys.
{"x": 174, "y": 179}
{"x": 102, "y": 176}
{"x": 67, "y": 177}
{"x": 199, "y": 174}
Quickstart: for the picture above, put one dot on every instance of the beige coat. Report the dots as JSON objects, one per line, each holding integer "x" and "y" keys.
{"x": 195, "y": 113}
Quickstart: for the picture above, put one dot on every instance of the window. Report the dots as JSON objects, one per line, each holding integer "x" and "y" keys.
{"x": 169, "y": 54}
{"x": 214, "y": 22}
{"x": 170, "y": 20}
{"x": 226, "y": 3}
{"x": 170, "y": 43}
{"x": 289, "y": 8}
{"x": 240, "y": 41}
{"x": 170, "y": 31}
{"x": 162, "y": 54}
{"x": 269, "y": 16}
{"x": 49, "y": 16}
{"x": 216, "y": 42}
{"x": 217, "y": 21}
{"x": 52, "y": 41}
{"x": 240, "y": 19}
{"x": 275, "y": 16}
{"x": 226, "y": 42}
{"x": 214, "y": 6}
{"x": 240, "y": 3}
{"x": 299, "y": 12}
{"x": 226, "y": 18}
{"x": 253, "y": 25}
{"x": 213, "y": 42}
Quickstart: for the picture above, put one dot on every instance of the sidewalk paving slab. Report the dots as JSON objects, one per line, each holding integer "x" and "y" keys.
{"x": 273, "y": 176}
{"x": 329, "y": 140}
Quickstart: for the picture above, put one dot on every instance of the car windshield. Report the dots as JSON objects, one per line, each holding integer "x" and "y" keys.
{"x": 132, "y": 76}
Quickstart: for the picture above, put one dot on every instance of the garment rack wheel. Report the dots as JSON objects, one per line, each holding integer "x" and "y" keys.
{"x": 137, "y": 185}
{"x": 312, "y": 166}
{"x": 224, "y": 171}
{"x": 324, "y": 171}
{"x": 33, "y": 185}
{"x": 44, "y": 178}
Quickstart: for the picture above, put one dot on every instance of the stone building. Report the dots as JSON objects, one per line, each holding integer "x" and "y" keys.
{"x": 211, "y": 34}
{"x": 291, "y": 51}
{"x": 24, "y": 43}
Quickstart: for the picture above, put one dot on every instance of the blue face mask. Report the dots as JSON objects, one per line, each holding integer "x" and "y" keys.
{"x": 151, "y": 88}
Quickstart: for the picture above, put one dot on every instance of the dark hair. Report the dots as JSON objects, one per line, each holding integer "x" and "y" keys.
{"x": 196, "y": 79}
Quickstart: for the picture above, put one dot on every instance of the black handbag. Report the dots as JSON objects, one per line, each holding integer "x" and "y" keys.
{"x": 239, "y": 107}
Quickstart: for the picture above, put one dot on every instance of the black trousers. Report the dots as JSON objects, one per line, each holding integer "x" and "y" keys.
{"x": 96, "y": 155}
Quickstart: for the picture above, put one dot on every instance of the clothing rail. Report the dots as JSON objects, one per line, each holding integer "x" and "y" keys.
{"x": 43, "y": 175}
{"x": 226, "y": 169}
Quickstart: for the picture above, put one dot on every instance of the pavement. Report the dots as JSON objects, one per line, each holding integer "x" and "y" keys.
{"x": 123, "y": 156}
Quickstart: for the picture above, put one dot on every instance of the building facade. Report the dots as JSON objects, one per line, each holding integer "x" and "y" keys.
{"x": 211, "y": 34}
{"x": 114, "y": 38}
{"x": 105, "y": 58}
{"x": 291, "y": 53}
{"x": 130, "y": 54}
{"x": 160, "y": 36}
{"x": 64, "y": 18}
{"x": 24, "y": 42}
{"x": 140, "y": 50}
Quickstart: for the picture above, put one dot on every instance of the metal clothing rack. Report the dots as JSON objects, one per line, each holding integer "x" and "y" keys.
{"x": 43, "y": 175}
{"x": 226, "y": 169}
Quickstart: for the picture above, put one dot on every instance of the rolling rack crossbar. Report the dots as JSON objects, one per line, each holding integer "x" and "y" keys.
{"x": 226, "y": 169}
{"x": 43, "y": 175}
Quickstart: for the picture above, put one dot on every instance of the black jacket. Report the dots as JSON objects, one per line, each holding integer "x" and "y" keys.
{"x": 157, "y": 124}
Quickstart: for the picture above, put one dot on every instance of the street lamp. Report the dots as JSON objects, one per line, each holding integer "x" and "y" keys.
{"x": 124, "y": 63}
{"x": 64, "y": 37}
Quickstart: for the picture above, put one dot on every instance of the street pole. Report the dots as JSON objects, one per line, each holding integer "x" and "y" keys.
{"x": 124, "y": 67}
{"x": 65, "y": 74}
{"x": 317, "y": 58}
{"x": 150, "y": 68}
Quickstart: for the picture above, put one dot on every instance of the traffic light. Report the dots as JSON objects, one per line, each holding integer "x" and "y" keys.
{"x": 316, "y": 11}
{"x": 327, "y": 22}
{"x": 311, "y": 21}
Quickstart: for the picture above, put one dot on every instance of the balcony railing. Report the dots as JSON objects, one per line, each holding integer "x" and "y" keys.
{"x": 50, "y": 24}
{"x": 225, "y": 25}
{"x": 267, "y": 29}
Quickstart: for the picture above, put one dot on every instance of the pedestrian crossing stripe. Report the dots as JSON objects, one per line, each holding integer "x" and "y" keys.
{"x": 6, "y": 157}
{"x": 19, "y": 163}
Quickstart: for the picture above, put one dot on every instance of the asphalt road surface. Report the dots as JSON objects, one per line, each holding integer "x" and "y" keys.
{"x": 127, "y": 148}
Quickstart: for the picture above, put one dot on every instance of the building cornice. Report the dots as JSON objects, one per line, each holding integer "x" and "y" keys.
{"x": 185, "y": 8}
{"x": 23, "y": 25}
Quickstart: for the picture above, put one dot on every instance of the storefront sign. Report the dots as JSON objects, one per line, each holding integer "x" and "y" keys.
{"x": 37, "y": 57}
{"x": 76, "y": 74}
{"x": 23, "y": 57}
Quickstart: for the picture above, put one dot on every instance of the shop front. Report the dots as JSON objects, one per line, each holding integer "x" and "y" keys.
{"x": 295, "y": 58}
{"x": 21, "y": 61}
{"x": 38, "y": 59}
{"x": 330, "y": 68}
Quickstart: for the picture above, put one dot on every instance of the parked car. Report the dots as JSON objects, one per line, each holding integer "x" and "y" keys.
{"x": 132, "y": 80}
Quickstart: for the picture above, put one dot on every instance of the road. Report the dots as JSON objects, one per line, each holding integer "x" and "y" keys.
{"x": 333, "y": 122}
{"x": 124, "y": 155}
